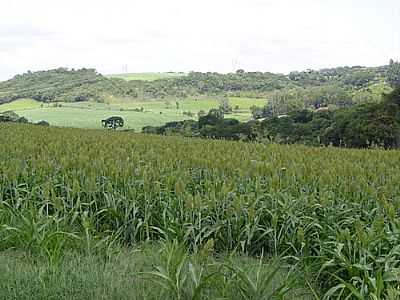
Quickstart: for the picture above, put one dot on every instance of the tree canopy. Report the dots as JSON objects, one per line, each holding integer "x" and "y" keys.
{"x": 338, "y": 86}
{"x": 394, "y": 74}
{"x": 364, "y": 125}
{"x": 63, "y": 85}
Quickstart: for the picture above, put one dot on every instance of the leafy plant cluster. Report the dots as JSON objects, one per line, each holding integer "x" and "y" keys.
{"x": 152, "y": 271}
{"x": 211, "y": 125}
{"x": 10, "y": 116}
{"x": 365, "y": 125}
{"x": 183, "y": 275}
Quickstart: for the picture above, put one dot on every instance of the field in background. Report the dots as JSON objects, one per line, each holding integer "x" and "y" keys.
{"x": 20, "y": 104}
{"x": 156, "y": 113}
{"x": 148, "y": 76}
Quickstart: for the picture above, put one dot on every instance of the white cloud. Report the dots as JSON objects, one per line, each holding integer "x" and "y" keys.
{"x": 207, "y": 35}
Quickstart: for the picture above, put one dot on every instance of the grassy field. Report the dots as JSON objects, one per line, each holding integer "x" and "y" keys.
{"x": 320, "y": 221}
{"x": 91, "y": 118}
{"x": 149, "y": 76}
{"x": 21, "y": 104}
{"x": 90, "y": 114}
{"x": 91, "y": 277}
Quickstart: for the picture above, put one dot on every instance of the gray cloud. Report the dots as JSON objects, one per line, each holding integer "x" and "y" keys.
{"x": 19, "y": 37}
{"x": 24, "y": 30}
{"x": 184, "y": 35}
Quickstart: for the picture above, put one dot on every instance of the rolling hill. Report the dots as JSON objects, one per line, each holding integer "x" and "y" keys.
{"x": 147, "y": 76}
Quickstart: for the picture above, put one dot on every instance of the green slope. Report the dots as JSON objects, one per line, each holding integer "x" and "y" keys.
{"x": 89, "y": 114}
{"x": 147, "y": 76}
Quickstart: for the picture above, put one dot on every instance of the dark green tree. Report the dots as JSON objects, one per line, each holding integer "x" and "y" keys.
{"x": 214, "y": 117}
{"x": 113, "y": 123}
{"x": 225, "y": 105}
{"x": 393, "y": 76}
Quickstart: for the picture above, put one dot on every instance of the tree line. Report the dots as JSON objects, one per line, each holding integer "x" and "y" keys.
{"x": 63, "y": 85}
{"x": 363, "y": 125}
{"x": 344, "y": 86}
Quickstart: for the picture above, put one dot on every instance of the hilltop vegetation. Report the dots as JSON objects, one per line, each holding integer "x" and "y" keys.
{"x": 62, "y": 85}
{"x": 339, "y": 86}
{"x": 369, "y": 123}
{"x": 148, "y": 76}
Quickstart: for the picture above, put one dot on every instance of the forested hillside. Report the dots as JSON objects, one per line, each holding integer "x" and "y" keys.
{"x": 258, "y": 83}
{"x": 340, "y": 87}
{"x": 343, "y": 86}
{"x": 62, "y": 85}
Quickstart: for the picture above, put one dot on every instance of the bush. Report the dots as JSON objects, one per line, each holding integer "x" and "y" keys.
{"x": 43, "y": 123}
{"x": 22, "y": 120}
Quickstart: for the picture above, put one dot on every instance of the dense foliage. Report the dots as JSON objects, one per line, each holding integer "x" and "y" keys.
{"x": 212, "y": 125}
{"x": 63, "y": 85}
{"x": 334, "y": 213}
{"x": 364, "y": 125}
{"x": 340, "y": 86}
{"x": 261, "y": 84}
{"x": 394, "y": 74}
{"x": 10, "y": 116}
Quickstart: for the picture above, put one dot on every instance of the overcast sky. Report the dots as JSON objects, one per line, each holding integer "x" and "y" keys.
{"x": 200, "y": 35}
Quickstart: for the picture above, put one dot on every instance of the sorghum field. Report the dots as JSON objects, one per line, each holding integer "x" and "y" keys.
{"x": 94, "y": 214}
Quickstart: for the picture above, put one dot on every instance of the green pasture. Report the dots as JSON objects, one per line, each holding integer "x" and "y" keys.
{"x": 20, "y": 104}
{"x": 155, "y": 113}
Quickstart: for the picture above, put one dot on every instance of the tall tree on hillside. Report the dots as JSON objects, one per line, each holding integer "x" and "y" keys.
{"x": 394, "y": 74}
{"x": 225, "y": 105}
